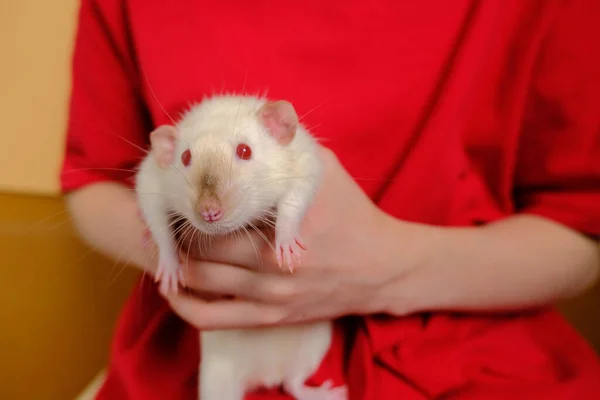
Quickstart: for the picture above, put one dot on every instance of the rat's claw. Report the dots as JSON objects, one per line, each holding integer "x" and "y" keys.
{"x": 169, "y": 284}
{"x": 288, "y": 258}
{"x": 288, "y": 244}
{"x": 300, "y": 243}
{"x": 168, "y": 278}
{"x": 279, "y": 254}
{"x": 324, "y": 392}
{"x": 288, "y": 252}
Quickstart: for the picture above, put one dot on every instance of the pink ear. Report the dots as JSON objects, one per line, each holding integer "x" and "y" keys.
{"x": 162, "y": 140}
{"x": 280, "y": 119}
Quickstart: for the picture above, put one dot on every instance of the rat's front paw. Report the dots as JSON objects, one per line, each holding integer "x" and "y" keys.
{"x": 288, "y": 247}
{"x": 323, "y": 392}
{"x": 168, "y": 274}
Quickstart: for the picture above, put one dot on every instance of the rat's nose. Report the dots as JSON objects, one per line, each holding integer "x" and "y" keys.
{"x": 211, "y": 214}
{"x": 209, "y": 208}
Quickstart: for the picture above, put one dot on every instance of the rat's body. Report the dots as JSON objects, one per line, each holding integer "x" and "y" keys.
{"x": 227, "y": 163}
{"x": 236, "y": 361}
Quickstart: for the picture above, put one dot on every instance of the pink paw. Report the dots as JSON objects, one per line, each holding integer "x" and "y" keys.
{"x": 168, "y": 276}
{"x": 288, "y": 251}
{"x": 324, "y": 392}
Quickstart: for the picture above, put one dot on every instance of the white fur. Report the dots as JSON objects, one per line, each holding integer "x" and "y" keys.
{"x": 284, "y": 177}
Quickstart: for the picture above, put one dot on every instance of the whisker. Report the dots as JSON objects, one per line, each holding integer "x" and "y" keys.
{"x": 312, "y": 129}
{"x": 201, "y": 241}
{"x": 276, "y": 179}
{"x": 123, "y": 268}
{"x": 145, "y": 151}
{"x": 182, "y": 175}
{"x": 258, "y": 257}
{"x": 267, "y": 222}
{"x": 190, "y": 229}
{"x": 187, "y": 261}
{"x": 154, "y": 94}
{"x": 87, "y": 253}
{"x": 313, "y": 109}
{"x": 179, "y": 229}
{"x": 72, "y": 170}
{"x": 110, "y": 132}
{"x": 176, "y": 221}
{"x": 236, "y": 117}
{"x": 262, "y": 235}
{"x": 58, "y": 225}
{"x": 49, "y": 217}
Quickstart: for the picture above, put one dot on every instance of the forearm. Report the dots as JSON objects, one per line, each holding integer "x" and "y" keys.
{"x": 105, "y": 215}
{"x": 520, "y": 262}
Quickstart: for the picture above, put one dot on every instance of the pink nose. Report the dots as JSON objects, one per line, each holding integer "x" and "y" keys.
{"x": 211, "y": 214}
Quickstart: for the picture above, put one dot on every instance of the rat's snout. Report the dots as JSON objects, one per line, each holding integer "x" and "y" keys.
{"x": 209, "y": 209}
{"x": 209, "y": 205}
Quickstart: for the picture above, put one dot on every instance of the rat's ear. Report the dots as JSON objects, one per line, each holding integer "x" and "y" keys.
{"x": 280, "y": 119}
{"x": 162, "y": 140}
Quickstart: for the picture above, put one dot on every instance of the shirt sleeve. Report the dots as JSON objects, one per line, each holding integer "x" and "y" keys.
{"x": 108, "y": 123}
{"x": 558, "y": 166}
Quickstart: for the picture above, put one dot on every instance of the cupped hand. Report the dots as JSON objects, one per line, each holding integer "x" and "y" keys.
{"x": 339, "y": 272}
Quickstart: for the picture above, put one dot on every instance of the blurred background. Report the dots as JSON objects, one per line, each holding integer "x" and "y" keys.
{"x": 59, "y": 299}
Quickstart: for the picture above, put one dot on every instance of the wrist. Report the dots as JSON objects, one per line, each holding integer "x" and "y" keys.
{"x": 401, "y": 251}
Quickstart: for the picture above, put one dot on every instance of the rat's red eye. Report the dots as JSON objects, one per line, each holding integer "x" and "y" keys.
{"x": 186, "y": 157}
{"x": 243, "y": 151}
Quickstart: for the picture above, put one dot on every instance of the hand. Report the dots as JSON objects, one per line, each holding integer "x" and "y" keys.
{"x": 338, "y": 273}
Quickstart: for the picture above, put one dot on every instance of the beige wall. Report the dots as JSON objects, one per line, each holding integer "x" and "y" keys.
{"x": 59, "y": 299}
{"x": 36, "y": 38}
{"x": 58, "y": 302}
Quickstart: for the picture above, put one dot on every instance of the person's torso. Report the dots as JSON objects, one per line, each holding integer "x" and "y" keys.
{"x": 415, "y": 98}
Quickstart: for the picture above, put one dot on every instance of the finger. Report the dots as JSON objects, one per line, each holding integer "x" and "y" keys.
{"x": 224, "y": 314}
{"x": 205, "y": 295}
{"x": 241, "y": 282}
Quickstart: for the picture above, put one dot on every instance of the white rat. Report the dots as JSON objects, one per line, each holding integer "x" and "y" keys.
{"x": 228, "y": 162}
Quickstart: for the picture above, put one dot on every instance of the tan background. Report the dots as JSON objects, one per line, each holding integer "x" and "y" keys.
{"x": 59, "y": 299}
{"x": 35, "y": 50}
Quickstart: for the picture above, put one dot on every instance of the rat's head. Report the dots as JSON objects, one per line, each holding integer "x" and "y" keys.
{"x": 227, "y": 161}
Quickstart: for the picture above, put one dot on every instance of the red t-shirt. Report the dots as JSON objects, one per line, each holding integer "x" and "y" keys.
{"x": 447, "y": 112}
